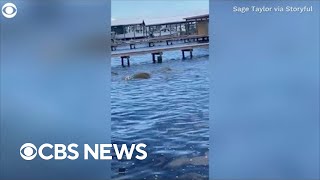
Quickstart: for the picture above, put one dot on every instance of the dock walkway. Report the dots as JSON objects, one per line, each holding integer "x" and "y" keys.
{"x": 157, "y": 51}
{"x": 151, "y": 41}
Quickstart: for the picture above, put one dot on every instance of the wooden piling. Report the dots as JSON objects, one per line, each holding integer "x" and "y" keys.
{"x": 122, "y": 61}
{"x": 160, "y": 58}
{"x": 183, "y": 53}
{"x": 153, "y": 58}
{"x": 132, "y": 46}
{"x": 122, "y": 64}
{"x": 157, "y": 55}
{"x": 128, "y": 61}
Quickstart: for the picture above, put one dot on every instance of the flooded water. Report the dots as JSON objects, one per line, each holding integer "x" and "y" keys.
{"x": 169, "y": 112}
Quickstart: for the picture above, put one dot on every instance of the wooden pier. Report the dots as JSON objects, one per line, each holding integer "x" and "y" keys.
{"x": 157, "y": 52}
{"x": 152, "y": 41}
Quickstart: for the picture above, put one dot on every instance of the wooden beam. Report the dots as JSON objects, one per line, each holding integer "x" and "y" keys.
{"x": 158, "y": 49}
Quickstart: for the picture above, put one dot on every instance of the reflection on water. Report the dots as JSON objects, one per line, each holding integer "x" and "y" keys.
{"x": 168, "y": 111}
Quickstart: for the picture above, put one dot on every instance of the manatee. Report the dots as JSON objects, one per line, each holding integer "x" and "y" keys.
{"x": 142, "y": 75}
{"x": 196, "y": 161}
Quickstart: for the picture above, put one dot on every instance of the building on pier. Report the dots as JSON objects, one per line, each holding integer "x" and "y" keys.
{"x": 135, "y": 30}
{"x": 199, "y": 24}
{"x": 195, "y": 25}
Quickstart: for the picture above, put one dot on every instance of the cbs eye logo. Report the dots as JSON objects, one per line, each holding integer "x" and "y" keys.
{"x": 9, "y": 10}
{"x": 28, "y": 151}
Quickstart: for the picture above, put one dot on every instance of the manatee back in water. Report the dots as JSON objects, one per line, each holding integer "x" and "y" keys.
{"x": 141, "y": 76}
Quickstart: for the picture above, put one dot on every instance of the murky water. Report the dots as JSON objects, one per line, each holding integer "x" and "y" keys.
{"x": 169, "y": 112}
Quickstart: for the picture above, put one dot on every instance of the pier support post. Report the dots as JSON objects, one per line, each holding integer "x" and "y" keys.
{"x": 160, "y": 58}
{"x": 183, "y": 53}
{"x": 128, "y": 60}
{"x": 153, "y": 58}
{"x": 122, "y": 64}
{"x": 156, "y": 58}
{"x": 132, "y": 46}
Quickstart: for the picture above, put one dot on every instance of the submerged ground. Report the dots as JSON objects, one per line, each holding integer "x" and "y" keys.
{"x": 169, "y": 112}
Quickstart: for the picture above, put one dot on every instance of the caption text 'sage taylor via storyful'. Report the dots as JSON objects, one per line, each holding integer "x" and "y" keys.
{"x": 266, "y": 9}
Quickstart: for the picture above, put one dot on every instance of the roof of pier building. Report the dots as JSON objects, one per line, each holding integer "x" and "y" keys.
{"x": 158, "y": 21}
{"x": 127, "y": 23}
{"x": 197, "y": 18}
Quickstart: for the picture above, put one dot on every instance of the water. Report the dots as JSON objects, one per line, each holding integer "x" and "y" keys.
{"x": 169, "y": 112}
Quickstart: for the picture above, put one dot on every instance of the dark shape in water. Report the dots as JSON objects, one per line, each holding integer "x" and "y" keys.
{"x": 196, "y": 161}
{"x": 141, "y": 76}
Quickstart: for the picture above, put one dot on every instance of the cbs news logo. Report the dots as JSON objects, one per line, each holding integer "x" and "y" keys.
{"x": 9, "y": 10}
{"x": 29, "y": 151}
